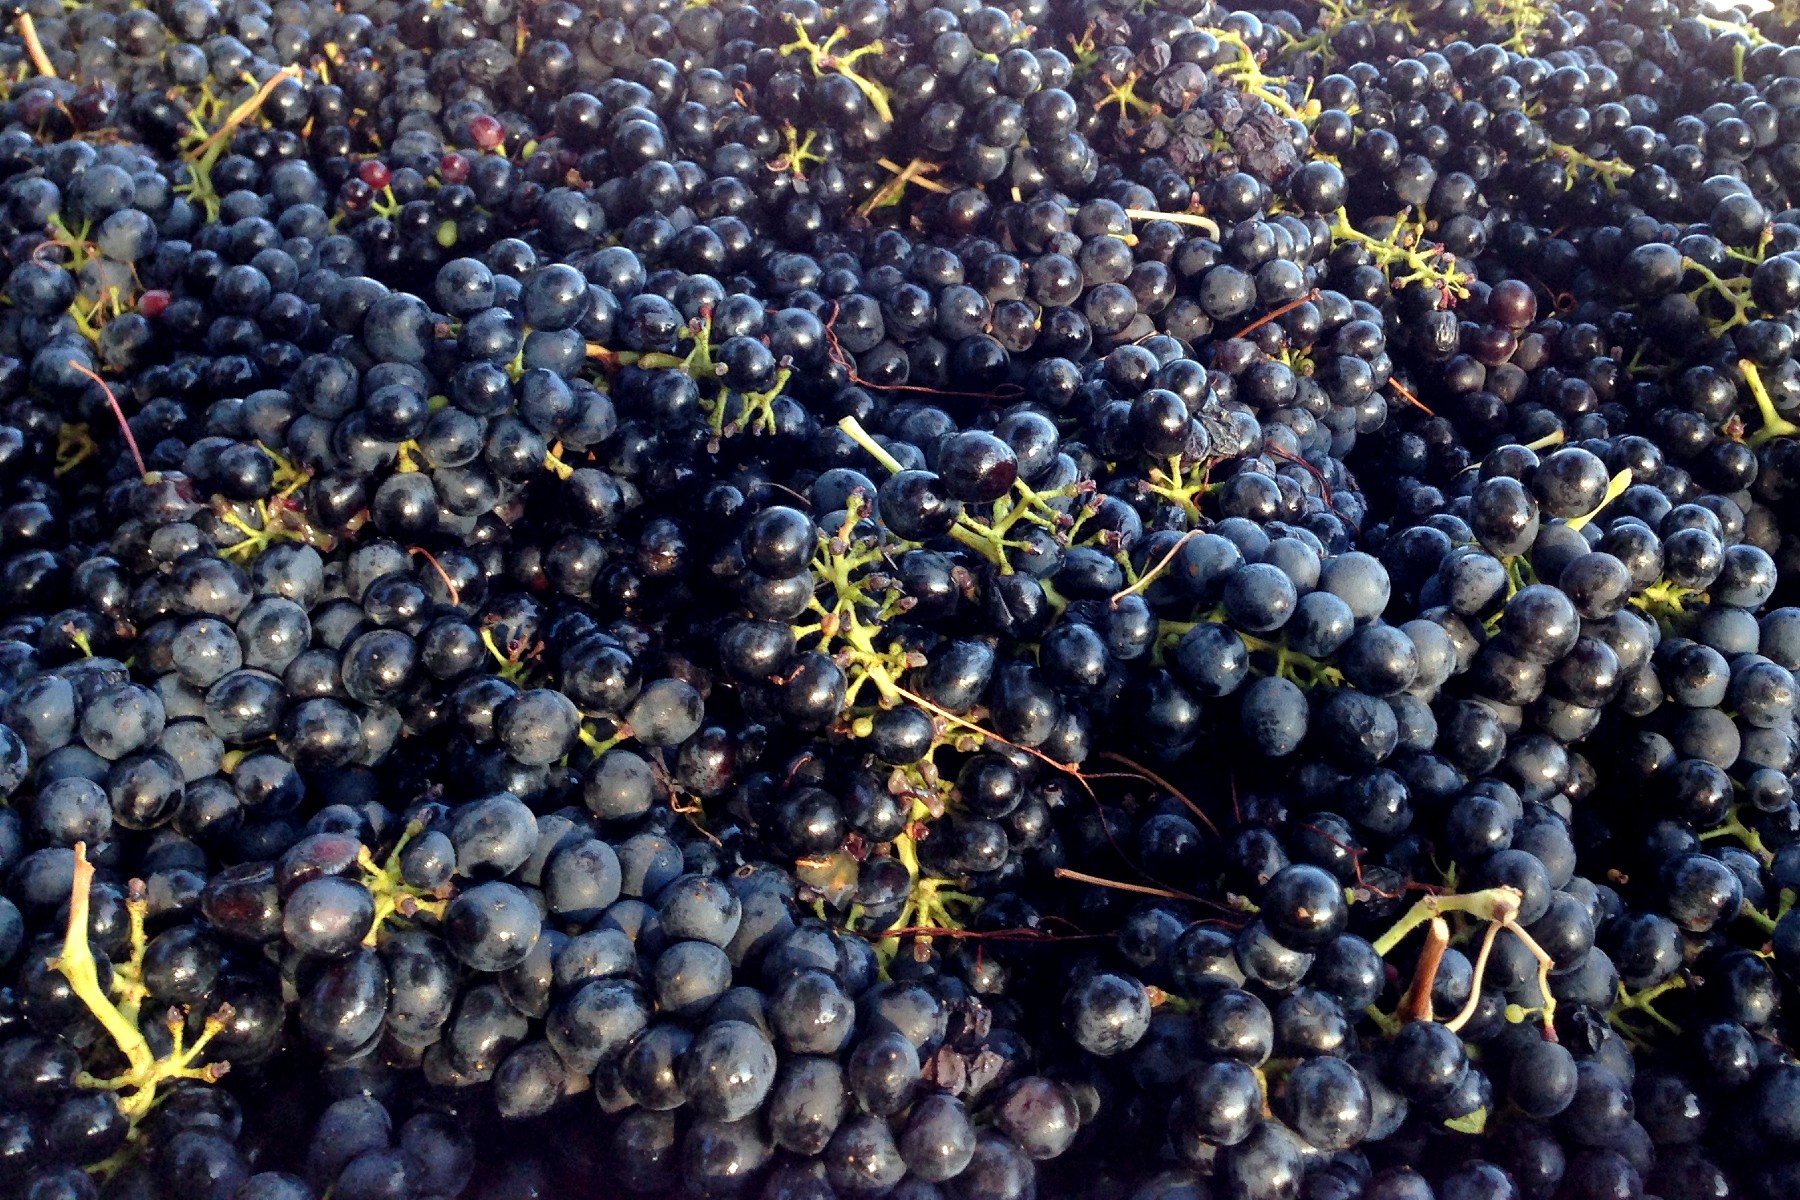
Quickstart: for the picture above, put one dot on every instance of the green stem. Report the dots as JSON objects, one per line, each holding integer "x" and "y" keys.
{"x": 1641, "y": 1002}
{"x": 1615, "y": 488}
{"x": 144, "y": 1073}
{"x": 855, "y": 432}
{"x": 1734, "y": 827}
{"x": 393, "y": 896}
{"x": 1491, "y": 904}
{"x": 1762, "y": 919}
{"x": 1774, "y": 425}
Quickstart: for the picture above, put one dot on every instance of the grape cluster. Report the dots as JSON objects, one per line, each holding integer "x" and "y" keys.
{"x": 813, "y": 599}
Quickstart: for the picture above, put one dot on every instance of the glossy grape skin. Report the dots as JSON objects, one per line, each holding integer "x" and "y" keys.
{"x": 1108, "y": 1013}
{"x": 598, "y": 1020}
{"x": 729, "y": 1070}
{"x": 1326, "y": 1102}
{"x": 327, "y": 916}
{"x": 491, "y": 926}
{"x": 1303, "y": 907}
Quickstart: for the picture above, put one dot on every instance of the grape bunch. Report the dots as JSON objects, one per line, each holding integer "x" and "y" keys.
{"x": 820, "y": 599}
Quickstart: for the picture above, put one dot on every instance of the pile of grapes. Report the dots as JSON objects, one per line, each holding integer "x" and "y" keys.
{"x": 822, "y": 599}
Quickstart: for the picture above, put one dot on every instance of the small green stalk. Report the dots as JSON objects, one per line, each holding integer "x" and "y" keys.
{"x": 79, "y": 638}
{"x": 848, "y": 629}
{"x": 758, "y": 415}
{"x": 74, "y": 446}
{"x": 1767, "y": 923}
{"x": 1492, "y": 904}
{"x": 1774, "y": 425}
{"x": 276, "y": 523}
{"x": 824, "y": 58}
{"x": 1642, "y": 1002}
{"x": 510, "y": 662}
{"x": 1734, "y": 827}
{"x": 1425, "y": 263}
{"x": 289, "y": 477}
{"x": 929, "y": 904}
{"x": 597, "y": 745}
{"x": 1303, "y": 669}
{"x": 1608, "y": 170}
{"x": 1666, "y": 603}
{"x": 1615, "y": 487}
{"x": 553, "y": 462}
{"x": 1735, "y": 292}
{"x": 394, "y": 897}
{"x": 986, "y": 538}
{"x": 1181, "y": 485}
{"x": 855, "y": 432}
{"x": 205, "y": 156}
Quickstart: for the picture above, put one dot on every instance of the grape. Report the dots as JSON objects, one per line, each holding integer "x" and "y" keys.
{"x": 885, "y": 600}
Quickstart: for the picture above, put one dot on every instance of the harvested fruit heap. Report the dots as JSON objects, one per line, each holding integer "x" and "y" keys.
{"x": 1098, "y": 599}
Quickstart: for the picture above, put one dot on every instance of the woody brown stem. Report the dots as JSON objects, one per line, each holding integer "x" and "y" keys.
{"x": 1417, "y": 1004}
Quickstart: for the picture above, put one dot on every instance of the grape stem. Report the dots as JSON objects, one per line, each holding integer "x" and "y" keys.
{"x": 855, "y": 432}
{"x": 1470, "y": 1007}
{"x": 597, "y": 745}
{"x": 1736, "y": 292}
{"x": 1643, "y": 1002}
{"x": 891, "y": 193}
{"x": 1121, "y": 886}
{"x": 1164, "y": 784}
{"x": 839, "y": 563}
{"x": 34, "y": 46}
{"x": 1609, "y": 171}
{"x": 119, "y": 413}
{"x": 1492, "y": 904}
{"x": 986, "y": 538}
{"x": 1417, "y": 1003}
{"x": 145, "y": 1072}
{"x": 1762, "y": 919}
{"x": 449, "y": 583}
{"x": 512, "y": 661}
{"x": 1499, "y": 907}
{"x": 393, "y": 896}
{"x": 1181, "y": 485}
{"x": 927, "y": 904}
{"x": 281, "y": 521}
{"x": 1427, "y": 263}
{"x": 952, "y": 718}
{"x": 1666, "y": 602}
{"x": 824, "y": 58}
{"x": 799, "y": 154}
{"x": 289, "y": 478}
{"x": 1733, "y": 827}
{"x": 1615, "y": 487}
{"x": 74, "y": 446}
{"x": 1199, "y": 221}
{"x": 758, "y": 410}
{"x": 1247, "y": 75}
{"x": 1774, "y": 425}
{"x": 205, "y": 156}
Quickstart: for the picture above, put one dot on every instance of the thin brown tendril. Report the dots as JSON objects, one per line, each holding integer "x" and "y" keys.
{"x": 1165, "y": 785}
{"x": 124, "y": 425}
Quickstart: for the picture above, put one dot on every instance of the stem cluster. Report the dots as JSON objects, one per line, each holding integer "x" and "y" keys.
{"x": 120, "y": 1013}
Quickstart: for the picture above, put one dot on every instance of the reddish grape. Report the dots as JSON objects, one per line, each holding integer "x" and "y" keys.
{"x": 486, "y": 132}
